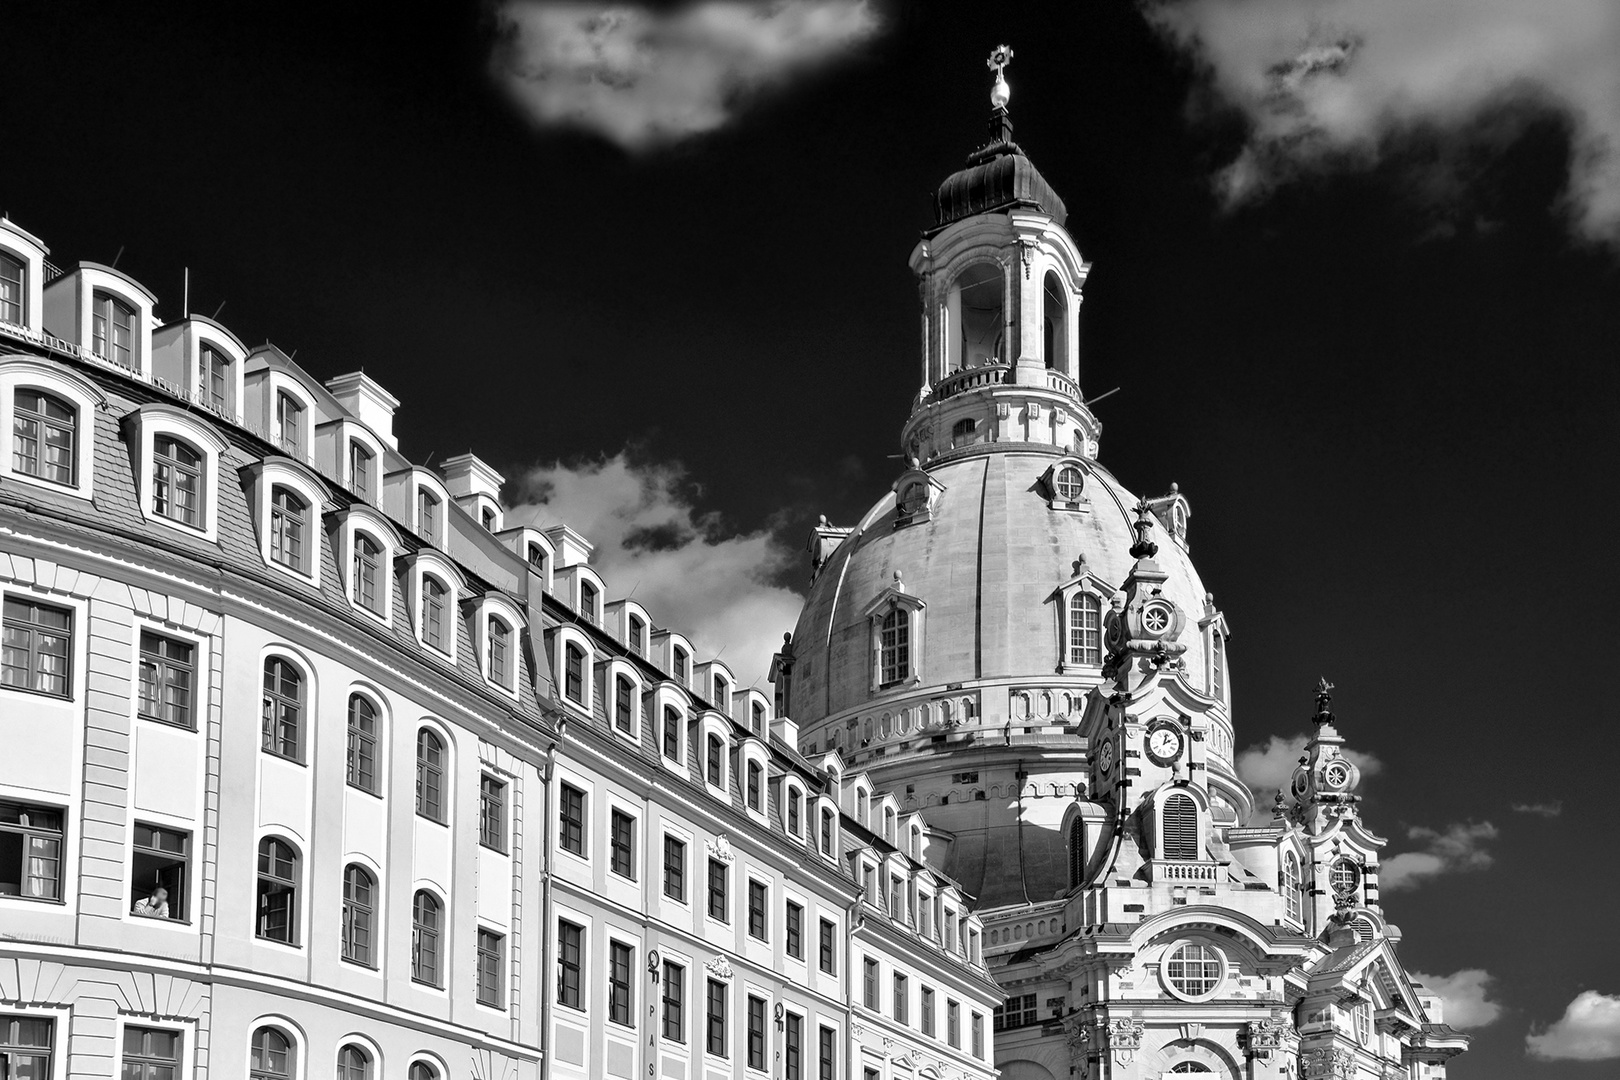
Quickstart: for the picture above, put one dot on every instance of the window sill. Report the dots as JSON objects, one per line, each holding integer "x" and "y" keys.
{"x": 54, "y": 901}
{"x": 281, "y": 757}
{"x": 76, "y": 490}
{"x": 350, "y": 785}
{"x": 496, "y": 848}
{"x": 292, "y": 945}
{"x": 31, "y": 692}
{"x": 432, "y": 820}
{"x": 192, "y": 728}
{"x": 361, "y": 964}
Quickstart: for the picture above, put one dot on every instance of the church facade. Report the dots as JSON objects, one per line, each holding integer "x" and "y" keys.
{"x": 1021, "y": 649}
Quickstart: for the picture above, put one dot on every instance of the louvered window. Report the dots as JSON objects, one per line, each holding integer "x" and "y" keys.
{"x": 1180, "y": 828}
{"x": 1077, "y": 853}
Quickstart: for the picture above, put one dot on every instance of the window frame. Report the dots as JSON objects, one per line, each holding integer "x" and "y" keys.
{"x": 622, "y": 842}
{"x": 1212, "y": 955}
{"x": 289, "y": 507}
{"x": 274, "y": 705}
{"x": 492, "y": 809}
{"x": 759, "y": 909}
{"x": 716, "y": 1027}
{"x": 19, "y": 614}
{"x": 146, "y": 1060}
{"x": 422, "y": 934}
{"x": 180, "y": 896}
{"x": 23, "y": 374}
{"x": 793, "y": 929}
{"x": 433, "y": 800}
{"x": 672, "y": 1006}
{"x": 621, "y": 983}
{"x": 359, "y": 922}
{"x": 161, "y": 664}
{"x": 291, "y": 885}
{"x": 717, "y": 891}
{"x": 357, "y": 740}
{"x": 757, "y": 1041}
{"x": 287, "y": 1033}
{"x": 572, "y": 952}
{"x": 485, "y": 957}
{"x": 682, "y": 847}
{"x": 31, "y": 833}
{"x": 573, "y": 834}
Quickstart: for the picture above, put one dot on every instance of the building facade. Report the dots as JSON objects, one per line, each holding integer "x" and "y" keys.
{"x": 1021, "y": 648}
{"x": 315, "y": 765}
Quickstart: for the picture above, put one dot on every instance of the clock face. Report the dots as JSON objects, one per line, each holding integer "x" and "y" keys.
{"x": 1105, "y": 756}
{"x": 1163, "y": 744}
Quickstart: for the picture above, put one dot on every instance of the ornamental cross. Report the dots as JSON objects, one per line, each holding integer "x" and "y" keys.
{"x": 1000, "y": 57}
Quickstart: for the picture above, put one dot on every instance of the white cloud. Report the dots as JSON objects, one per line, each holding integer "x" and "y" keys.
{"x": 645, "y": 78}
{"x": 1546, "y": 809}
{"x": 1327, "y": 83}
{"x": 1269, "y": 768}
{"x": 1589, "y": 1030}
{"x": 1464, "y": 997}
{"x": 1460, "y": 848}
{"x": 691, "y": 573}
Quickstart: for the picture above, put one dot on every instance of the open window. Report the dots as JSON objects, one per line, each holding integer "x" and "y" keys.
{"x": 1055, "y": 323}
{"x": 159, "y": 862}
{"x": 975, "y": 315}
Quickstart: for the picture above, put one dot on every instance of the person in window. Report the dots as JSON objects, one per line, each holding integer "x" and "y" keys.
{"x": 155, "y": 906}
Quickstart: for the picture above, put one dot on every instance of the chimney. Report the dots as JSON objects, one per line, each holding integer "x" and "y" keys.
{"x": 367, "y": 402}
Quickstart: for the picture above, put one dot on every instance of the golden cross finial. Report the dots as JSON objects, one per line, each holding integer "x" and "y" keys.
{"x": 1000, "y": 57}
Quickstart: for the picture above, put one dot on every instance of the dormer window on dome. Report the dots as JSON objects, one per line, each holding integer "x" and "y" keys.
{"x": 915, "y": 493}
{"x": 1064, "y": 483}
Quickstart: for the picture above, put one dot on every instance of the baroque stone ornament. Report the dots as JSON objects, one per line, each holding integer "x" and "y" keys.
{"x": 1264, "y": 1037}
{"x": 1077, "y": 1031}
{"x": 1124, "y": 1039}
{"x": 1327, "y": 1063}
{"x": 720, "y": 848}
{"x": 720, "y": 968}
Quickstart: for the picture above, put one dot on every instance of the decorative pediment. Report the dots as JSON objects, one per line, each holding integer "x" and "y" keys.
{"x": 720, "y": 849}
{"x": 720, "y": 968}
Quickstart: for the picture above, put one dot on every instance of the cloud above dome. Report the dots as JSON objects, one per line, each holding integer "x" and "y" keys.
{"x": 646, "y": 78}
{"x": 1332, "y": 85}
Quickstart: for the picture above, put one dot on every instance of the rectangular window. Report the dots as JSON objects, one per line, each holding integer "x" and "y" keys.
{"x": 149, "y": 1054}
{"x": 360, "y": 460}
{"x": 675, "y": 869}
{"x": 719, "y": 906}
{"x": 672, "y": 733}
{"x": 620, "y": 965}
{"x": 897, "y": 907}
{"x": 168, "y": 675}
{"x": 902, "y": 998}
{"x": 31, "y": 851}
{"x": 158, "y": 872}
{"x": 953, "y": 1023}
{"x": 427, "y": 515}
{"x": 756, "y": 1032}
{"x": 492, "y": 813}
{"x": 795, "y": 930}
{"x": 674, "y": 1002}
{"x": 570, "y": 941}
{"x": 715, "y": 1036}
{"x": 827, "y": 1054}
{"x": 624, "y": 694}
{"x": 926, "y": 1006}
{"x": 758, "y": 910}
{"x": 1019, "y": 1011}
{"x": 755, "y": 783}
{"x": 368, "y": 574}
{"x": 869, "y": 972}
{"x": 870, "y": 1073}
{"x": 793, "y": 1048}
{"x": 571, "y": 827}
{"x": 622, "y": 844}
{"x": 214, "y": 379}
{"x": 978, "y": 1036}
{"x": 490, "y": 949}
{"x": 828, "y": 961}
{"x": 37, "y": 647}
{"x": 25, "y": 1047}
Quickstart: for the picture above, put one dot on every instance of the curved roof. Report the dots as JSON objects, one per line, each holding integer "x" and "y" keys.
{"x": 999, "y": 177}
{"x": 988, "y": 565}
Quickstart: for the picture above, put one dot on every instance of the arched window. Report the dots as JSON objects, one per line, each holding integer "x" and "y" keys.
{"x": 487, "y": 518}
{"x": 427, "y": 515}
{"x": 289, "y": 528}
{"x": 888, "y": 824}
{"x": 964, "y": 432}
{"x": 1290, "y": 886}
{"x": 1085, "y": 629}
{"x": 683, "y": 667}
{"x": 290, "y": 425}
{"x": 638, "y": 632}
{"x": 283, "y": 719}
{"x": 353, "y": 1063}
{"x": 421, "y": 1070}
{"x": 435, "y": 613}
{"x": 368, "y": 574}
{"x": 500, "y": 651}
{"x": 828, "y": 823}
{"x": 755, "y": 785}
{"x": 362, "y": 758}
{"x": 1217, "y": 665}
{"x": 13, "y": 290}
{"x": 112, "y": 329}
{"x": 271, "y": 1057}
{"x": 1195, "y": 970}
{"x": 359, "y": 905}
{"x": 177, "y": 481}
{"x": 977, "y": 298}
{"x": 894, "y": 647}
{"x": 574, "y": 674}
{"x": 429, "y": 776}
{"x": 795, "y": 810}
{"x": 624, "y": 707}
{"x": 1055, "y": 322}
{"x": 277, "y": 916}
{"x": 722, "y": 693}
{"x": 1077, "y": 853}
{"x": 587, "y": 601}
{"x": 716, "y": 761}
{"x": 756, "y": 719}
{"x": 1180, "y": 827}
{"x": 1191, "y": 1067}
{"x": 425, "y": 923}
{"x": 361, "y": 463}
{"x": 860, "y": 805}
{"x": 672, "y": 733}
{"x": 44, "y": 436}
{"x": 214, "y": 383}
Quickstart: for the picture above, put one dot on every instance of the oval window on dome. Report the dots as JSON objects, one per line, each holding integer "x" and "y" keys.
{"x": 1067, "y": 484}
{"x": 913, "y": 498}
{"x": 1345, "y": 877}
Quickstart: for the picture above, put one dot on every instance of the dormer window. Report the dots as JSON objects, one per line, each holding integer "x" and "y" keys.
{"x": 672, "y": 733}
{"x": 638, "y": 635}
{"x": 715, "y": 761}
{"x": 112, "y": 329}
{"x": 1067, "y": 483}
{"x": 722, "y": 694}
{"x": 587, "y": 601}
{"x": 500, "y": 651}
{"x": 683, "y": 666}
{"x": 290, "y": 425}
{"x": 428, "y": 506}
{"x": 289, "y": 527}
{"x": 537, "y": 559}
{"x": 488, "y": 519}
{"x": 13, "y": 290}
{"x": 756, "y": 783}
{"x": 574, "y": 674}
{"x": 177, "y": 481}
{"x": 435, "y": 613}
{"x": 1085, "y": 628}
{"x": 362, "y": 475}
{"x": 829, "y": 826}
{"x": 214, "y": 379}
{"x": 368, "y": 574}
{"x": 624, "y": 704}
{"x": 756, "y": 719}
{"x": 44, "y": 437}
{"x": 795, "y": 810}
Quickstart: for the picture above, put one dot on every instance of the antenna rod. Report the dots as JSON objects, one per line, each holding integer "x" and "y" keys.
{"x": 217, "y": 310}
{"x": 118, "y": 256}
{"x": 1099, "y": 397}
{"x": 185, "y": 297}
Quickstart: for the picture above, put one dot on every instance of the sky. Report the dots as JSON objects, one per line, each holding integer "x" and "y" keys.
{"x": 1356, "y": 266}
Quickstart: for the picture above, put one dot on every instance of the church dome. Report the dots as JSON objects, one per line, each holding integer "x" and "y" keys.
{"x": 998, "y": 177}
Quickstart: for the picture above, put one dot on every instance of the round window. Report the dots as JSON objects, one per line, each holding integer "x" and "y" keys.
{"x": 1336, "y": 775}
{"x": 1345, "y": 876}
{"x": 1156, "y": 618}
{"x": 914, "y": 499}
{"x": 1068, "y": 484}
{"x": 1194, "y": 970}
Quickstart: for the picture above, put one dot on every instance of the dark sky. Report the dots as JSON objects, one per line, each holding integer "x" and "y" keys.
{"x": 1392, "y": 407}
